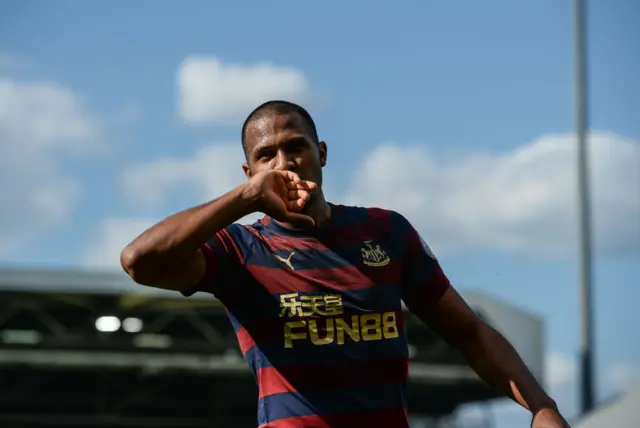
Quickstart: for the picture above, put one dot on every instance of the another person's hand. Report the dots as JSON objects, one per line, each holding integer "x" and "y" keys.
{"x": 282, "y": 195}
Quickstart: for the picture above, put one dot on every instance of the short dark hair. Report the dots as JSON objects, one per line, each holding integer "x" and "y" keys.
{"x": 277, "y": 107}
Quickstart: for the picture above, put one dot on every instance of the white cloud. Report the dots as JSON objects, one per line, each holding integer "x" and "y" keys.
{"x": 38, "y": 123}
{"x": 523, "y": 200}
{"x": 620, "y": 377}
{"x": 114, "y": 234}
{"x": 211, "y": 91}
{"x": 212, "y": 171}
{"x": 561, "y": 375}
{"x": 560, "y": 370}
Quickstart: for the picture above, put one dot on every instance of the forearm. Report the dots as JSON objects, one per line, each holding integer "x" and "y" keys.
{"x": 176, "y": 239}
{"x": 498, "y": 364}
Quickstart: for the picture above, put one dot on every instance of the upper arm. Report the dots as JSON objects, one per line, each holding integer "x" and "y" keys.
{"x": 428, "y": 294}
{"x": 451, "y": 319}
{"x": 216, "y": 259}
{"x": 423, "y": 281}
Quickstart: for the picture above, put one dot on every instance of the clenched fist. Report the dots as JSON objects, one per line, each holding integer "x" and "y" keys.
{"x": 281, "y": 195}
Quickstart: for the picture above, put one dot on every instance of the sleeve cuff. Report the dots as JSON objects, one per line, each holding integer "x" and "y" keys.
{"x": 207, "y": 280}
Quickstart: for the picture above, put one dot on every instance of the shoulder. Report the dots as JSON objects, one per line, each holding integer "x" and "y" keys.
{"x": 395, "y": 225}
{"x": 246, "y": 230}
{"x": 241, "y": 236}
{"x": 376, "y": 216}
{"x": 379, "y": 223}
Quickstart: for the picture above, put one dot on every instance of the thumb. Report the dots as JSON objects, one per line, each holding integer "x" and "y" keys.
{"x": 300, "y": 220}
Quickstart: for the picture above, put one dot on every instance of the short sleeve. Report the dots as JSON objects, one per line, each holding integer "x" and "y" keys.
{"x": 222, "y": 257}
{"x": 423, "y": 280}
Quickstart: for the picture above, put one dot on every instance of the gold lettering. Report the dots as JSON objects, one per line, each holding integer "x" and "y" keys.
{"x": 370, "y": 327}
{"x": 315, "y": 337}
{"x": 353, "y": 330}
{"x": 389, "y": 325}
{"x": 332, "y": 305}
{"x": 306, "y": 305}
{"x": 290, "y": 335}
{"x": 290, "y": 305}
{"x": 367, "y": 327}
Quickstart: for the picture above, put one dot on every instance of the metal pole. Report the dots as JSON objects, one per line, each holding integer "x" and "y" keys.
{"x": 584, "y": 208}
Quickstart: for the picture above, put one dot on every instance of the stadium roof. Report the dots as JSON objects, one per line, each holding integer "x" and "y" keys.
{"x": 624, "y": 412}
{"x": 523, "y": 329}
{"x": 68, "y": 280}
{"x": 116, "y": 282}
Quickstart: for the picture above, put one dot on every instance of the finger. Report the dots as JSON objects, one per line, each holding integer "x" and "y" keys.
{"x": 295, "y": 205}
{"x": 291, "y": 176}
{"x": 303, "y": 184}
{"x": 299, "y": 194}
{"x": 290, "y": 184}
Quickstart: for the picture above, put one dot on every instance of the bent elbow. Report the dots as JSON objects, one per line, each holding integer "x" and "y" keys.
{"x": 130, "y": 260}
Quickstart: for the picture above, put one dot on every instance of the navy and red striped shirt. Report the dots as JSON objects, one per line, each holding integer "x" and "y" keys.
{"x": 318, "y": 313}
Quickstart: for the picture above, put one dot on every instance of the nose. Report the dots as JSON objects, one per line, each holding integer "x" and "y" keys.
{"x": 283, "y": 161}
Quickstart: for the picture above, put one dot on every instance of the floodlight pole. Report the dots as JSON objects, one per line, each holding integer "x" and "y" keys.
{"x": 584, "y": 208}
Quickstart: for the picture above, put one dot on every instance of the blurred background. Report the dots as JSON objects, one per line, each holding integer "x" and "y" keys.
{"x": 459, "y": 114}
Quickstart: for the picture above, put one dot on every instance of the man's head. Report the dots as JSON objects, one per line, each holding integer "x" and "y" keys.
{"x": 282, "y": 135}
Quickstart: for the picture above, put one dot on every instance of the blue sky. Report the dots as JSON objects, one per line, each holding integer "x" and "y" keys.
{"x": 467, "y": 105}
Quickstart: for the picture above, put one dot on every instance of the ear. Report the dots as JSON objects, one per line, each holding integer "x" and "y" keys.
{"x": 247, "y": 171}
{"x": 322, "y": 149}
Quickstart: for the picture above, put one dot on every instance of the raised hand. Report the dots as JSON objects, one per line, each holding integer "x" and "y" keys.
{"x": 548, "y": 418}
{"x": 282, "y": 195}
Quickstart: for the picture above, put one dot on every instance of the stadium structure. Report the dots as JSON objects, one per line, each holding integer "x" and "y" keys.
{"x": 90, "y": 349}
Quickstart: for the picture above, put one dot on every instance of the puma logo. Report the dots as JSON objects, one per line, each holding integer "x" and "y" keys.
{"x": 286, "y": 261}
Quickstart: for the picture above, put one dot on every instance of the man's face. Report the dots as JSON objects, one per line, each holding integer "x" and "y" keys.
{"x": 283, "y": 142}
